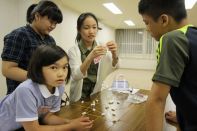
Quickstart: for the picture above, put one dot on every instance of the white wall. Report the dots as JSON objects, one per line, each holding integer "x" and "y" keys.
{"x": 13, "y": 15}
{"x": 144, "y": 64}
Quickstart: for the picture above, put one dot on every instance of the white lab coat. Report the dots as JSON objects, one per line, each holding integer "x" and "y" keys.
{"x": 104, "y": 69}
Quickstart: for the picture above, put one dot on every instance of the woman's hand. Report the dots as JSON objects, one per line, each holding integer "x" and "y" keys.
{"x": 112, "y": 47}
{"x": 98, "y": 51}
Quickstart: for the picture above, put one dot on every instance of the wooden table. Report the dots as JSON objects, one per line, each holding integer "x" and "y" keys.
{"x": 120, "y": 115}
{"x": 130, "y": 117}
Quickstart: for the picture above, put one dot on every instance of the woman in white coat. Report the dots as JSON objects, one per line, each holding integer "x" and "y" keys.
{"x": 90, "y": 62}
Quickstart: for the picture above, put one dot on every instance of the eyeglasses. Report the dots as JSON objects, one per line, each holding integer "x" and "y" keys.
{"x": 65, "y": 101}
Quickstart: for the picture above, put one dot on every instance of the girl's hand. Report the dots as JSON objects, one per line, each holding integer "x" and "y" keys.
{"x": 82, "y": 123}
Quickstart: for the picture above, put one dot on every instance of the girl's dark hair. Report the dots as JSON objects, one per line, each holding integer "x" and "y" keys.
{"x": 47, "y": 8}
{"x": 155, "y": 8}
{"x": 45, "y": 55}
{"x": 80, "y": 21}
{"x": 29, "y": 11}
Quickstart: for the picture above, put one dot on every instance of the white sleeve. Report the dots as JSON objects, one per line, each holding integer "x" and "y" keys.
{"x": 75, "y": 63}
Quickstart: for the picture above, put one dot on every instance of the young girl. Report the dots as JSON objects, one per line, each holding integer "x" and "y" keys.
{"x": 36, "y": 99}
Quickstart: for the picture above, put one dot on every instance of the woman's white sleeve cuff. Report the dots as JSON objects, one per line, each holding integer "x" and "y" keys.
{"x": 79, "y": 75}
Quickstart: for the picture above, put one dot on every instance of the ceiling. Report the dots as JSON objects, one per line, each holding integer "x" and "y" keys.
{"x": 128, "y": 7}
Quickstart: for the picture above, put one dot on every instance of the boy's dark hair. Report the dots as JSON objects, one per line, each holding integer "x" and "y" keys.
{"x": 29, "y": 11}
{"x": 80, "y": 21}
{"x": 47, "y": 8}
{"x": 45, "y": 55}
{"x": 155, "y": 8}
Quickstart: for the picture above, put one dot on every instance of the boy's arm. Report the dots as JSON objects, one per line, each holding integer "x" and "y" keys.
{"x": 12, "y": 71}
{"x": 155, "y": 106}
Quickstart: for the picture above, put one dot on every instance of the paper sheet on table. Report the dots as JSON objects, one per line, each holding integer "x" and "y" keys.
{"x": 137, "y": 98}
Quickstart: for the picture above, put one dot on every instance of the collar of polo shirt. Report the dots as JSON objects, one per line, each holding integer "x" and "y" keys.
{"x": 45, "y": 92}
